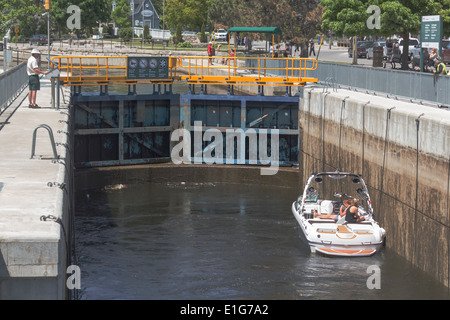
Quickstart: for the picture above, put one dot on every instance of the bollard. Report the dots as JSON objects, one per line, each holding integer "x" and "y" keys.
{"x": 57, "y": 93}
{"x": 52, "y": 82}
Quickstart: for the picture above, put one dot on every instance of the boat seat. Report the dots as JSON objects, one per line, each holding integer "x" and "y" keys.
{"x": 326, "y": 207}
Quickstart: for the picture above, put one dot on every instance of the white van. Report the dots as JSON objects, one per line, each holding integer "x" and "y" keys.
{"x": 413, "y": 42}
{"x": 221, "y": 35}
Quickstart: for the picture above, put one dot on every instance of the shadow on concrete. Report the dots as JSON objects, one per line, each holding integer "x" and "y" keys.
{"x": 3, "y": 269}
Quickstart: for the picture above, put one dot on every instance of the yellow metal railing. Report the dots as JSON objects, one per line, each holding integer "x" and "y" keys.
{"x": 102, "y": 70}
{"x": 105, "y": 70}
{"x": 248, "y": 70}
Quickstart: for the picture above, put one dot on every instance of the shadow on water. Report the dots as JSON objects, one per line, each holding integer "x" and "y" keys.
{"x": 220, "y": 241}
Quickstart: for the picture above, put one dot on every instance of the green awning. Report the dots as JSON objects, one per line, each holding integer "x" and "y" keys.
{"x": 274, "y": 30}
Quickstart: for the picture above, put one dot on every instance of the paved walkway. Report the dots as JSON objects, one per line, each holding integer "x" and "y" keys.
{"x": 30, "y": 247}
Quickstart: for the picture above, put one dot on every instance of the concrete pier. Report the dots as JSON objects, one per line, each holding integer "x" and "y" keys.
{"x": 33, "y": 246}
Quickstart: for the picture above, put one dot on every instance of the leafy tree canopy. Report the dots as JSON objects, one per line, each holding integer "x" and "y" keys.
{"x": 121, "y": 14}
{"x": 349, "y": 17}
{"x": 296, "y": 18}
{"x": 399, "y": 17}
{"x": 27, "y": 15}
{"x": 190, "y": 14}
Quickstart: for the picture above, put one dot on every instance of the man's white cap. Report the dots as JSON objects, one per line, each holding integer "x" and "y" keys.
{"x": 35, "y": 51}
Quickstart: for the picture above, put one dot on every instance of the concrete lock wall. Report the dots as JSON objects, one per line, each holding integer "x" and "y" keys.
{"x": 34, "y": 252}
{"x": 402, "y": 151}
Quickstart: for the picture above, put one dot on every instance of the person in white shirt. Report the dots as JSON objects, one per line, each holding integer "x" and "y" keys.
{"x": 33, "y": 77}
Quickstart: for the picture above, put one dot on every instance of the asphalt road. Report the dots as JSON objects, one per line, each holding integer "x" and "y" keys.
{"x": 339, "y": 54}
{"x": 335, "y": 54}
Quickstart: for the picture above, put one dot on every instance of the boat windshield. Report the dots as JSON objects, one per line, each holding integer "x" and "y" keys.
{"x": 337, "y": 188}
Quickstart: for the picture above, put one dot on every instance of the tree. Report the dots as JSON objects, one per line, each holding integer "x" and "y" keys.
{"x": 121, "y": 14}
{"x": 178, "y": 34}
{"x": 59, "y": 15}
{"x": 146, "y": 33}
{"x": 126, "y": 33}
{"x": 203, "y": 38}
{"x": 186, "y": 13}
{"x": 399, "y": 17}
{"x": 298, "y": 19}
{"x": 404, "y": 17}
{"x": 346, "y": 18}
{"x": 93, "y": 12}
{"x": 445, "y": 13}
{"x": 21, "y": 13}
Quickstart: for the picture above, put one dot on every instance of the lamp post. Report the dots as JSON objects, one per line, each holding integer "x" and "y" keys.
{"x": 47, "y": 7}
{"x": 48, "y": 35}
{"x": 164, "y": 11}
{"x": 132, "y": 22}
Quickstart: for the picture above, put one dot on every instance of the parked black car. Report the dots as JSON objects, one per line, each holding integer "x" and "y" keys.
{"x": 39, "y": 39}
{"x": 361, "y": 48}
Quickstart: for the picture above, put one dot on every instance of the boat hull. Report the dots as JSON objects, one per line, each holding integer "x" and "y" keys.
{"x": 331, "y": 239}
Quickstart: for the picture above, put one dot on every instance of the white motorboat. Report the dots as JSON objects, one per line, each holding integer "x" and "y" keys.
{"x": 324, "y": 225}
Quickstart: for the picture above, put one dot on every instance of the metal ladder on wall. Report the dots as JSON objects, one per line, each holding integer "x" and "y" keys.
{"x": 52, "y": 140}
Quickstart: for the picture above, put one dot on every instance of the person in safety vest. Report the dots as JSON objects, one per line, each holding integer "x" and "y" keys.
{"x": 441, "y": 68}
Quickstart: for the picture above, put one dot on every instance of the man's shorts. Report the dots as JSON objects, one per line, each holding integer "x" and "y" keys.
{"x": 33, "y": 82}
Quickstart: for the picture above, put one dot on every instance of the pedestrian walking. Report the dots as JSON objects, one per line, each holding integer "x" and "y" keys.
{"x": 33, "y": 72}
{"x": 210, "y": 51}
{"x": 311, "y": 46}
{"x": 287, "y": 50}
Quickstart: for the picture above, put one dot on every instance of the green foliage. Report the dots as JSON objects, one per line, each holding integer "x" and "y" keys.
{"x": 121, "y": 14}
{"x": 126, "y": 33}
{"x": 59, "y": 15}
{"x": 24, "y": 14}
{"x": 349, "y": 17}
{"x": 398, "y": 17}
{"x": 27, "y": 15}
{"x": 191, "y": 14}
{"x": 108, "y": 29}
{"x": 18, "y": 39}
{"x": 146, "y": 33}
{"x": 296, "y": 18}
{"x": 184, "y": 45}
{"x": 345, "y": 17}
{"x": 203, "y": 37}
{"x": 178, "y": 34}
{"x": 445, "y": 13}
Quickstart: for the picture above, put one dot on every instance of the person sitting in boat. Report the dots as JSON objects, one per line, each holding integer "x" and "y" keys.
{"x": 344, "y": 206}
{"x": 334, "y": 217}
{"x": 351, "y": 213}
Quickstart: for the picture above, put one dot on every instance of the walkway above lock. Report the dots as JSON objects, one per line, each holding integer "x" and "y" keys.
{"x": 30, "y": 247}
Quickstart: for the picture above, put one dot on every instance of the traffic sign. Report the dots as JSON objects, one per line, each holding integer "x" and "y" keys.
{"x": 430, "y": 35}
{"x": 431, "y": 31}
{"x": 147, "y": 68}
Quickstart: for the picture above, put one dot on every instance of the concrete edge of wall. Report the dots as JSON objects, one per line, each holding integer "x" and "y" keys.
{"x": 435, "y": 123}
